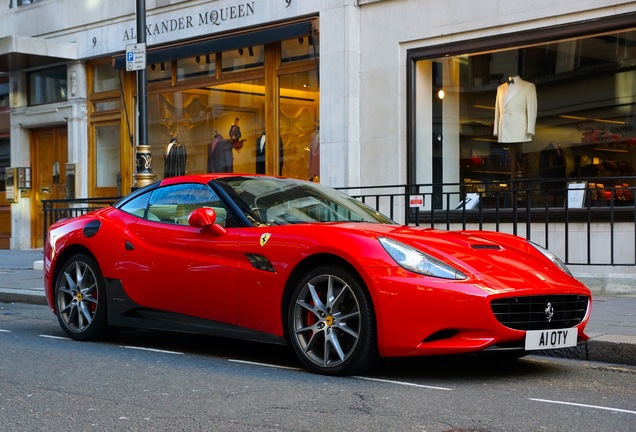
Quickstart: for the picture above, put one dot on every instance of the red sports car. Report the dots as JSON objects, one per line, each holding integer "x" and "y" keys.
{"x": 292, "y": 262}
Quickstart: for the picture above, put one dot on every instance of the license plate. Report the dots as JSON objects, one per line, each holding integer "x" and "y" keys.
{"x": 550, "y": 339}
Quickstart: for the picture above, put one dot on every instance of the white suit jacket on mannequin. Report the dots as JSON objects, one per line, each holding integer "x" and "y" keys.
{"x": 515, "y": 111}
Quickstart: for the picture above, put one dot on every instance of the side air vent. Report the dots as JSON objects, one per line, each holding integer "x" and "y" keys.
{"x": 259, "y": 262}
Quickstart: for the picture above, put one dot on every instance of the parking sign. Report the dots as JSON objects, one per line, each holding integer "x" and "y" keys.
{"x": 136, "y": 57}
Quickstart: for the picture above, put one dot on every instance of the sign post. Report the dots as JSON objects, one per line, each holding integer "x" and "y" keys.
{"x": 136, "y": 61}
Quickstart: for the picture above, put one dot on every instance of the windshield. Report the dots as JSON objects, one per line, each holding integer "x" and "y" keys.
{"x": 274, "y": 201}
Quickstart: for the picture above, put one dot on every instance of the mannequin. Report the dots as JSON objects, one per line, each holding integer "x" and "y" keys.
{"x": 515, "y": 111}
{"x": 175, "y": 164}
{"x": 261, "y": 149}
{"x": 220, "y": 157}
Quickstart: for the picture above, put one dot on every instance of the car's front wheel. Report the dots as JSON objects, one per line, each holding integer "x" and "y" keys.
{"x": 331, "y": 322}
{"x": 80, "y": 299}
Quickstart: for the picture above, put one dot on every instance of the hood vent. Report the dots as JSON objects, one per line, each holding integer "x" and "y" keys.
{"x": 486, "y": 246}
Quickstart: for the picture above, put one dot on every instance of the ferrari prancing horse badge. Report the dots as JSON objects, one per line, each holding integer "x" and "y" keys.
{"x": 264, "y": 238}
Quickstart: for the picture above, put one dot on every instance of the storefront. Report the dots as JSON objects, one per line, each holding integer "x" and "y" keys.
{"x": 214, "y": 105}
{"x": 231, "y": 87}
{"x": 539, "y": 111}
{"x": 348, "y": 93}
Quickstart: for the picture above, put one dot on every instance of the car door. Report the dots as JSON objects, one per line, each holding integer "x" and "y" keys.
{"x": 174, "y": 267}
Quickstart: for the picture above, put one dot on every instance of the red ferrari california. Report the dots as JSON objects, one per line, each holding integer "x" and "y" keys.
{"x": 292, "y": 262}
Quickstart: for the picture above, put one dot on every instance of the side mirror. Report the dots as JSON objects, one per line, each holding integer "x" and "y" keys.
{"x": 205, "y": 218}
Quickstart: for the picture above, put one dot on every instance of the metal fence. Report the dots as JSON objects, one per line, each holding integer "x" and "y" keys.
{"x": 58, "y": 209}
{"x": 583, "y": 222}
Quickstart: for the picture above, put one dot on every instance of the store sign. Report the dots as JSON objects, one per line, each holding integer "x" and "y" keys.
{"x": 207, "y": 18}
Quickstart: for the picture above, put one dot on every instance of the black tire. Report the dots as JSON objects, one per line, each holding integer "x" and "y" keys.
{"x": 80, "y": 299}
{"x": 331, "y": 323}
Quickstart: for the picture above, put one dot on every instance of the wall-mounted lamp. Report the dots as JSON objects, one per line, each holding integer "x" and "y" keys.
{"x": 441, "y": 94}
{"x": 197, "y": 59}
{"x": 241, "y": 51}
{"x": 301, "y": 40}
{"x": 153, "y": 67}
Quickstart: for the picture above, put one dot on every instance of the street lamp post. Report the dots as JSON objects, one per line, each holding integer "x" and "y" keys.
{"x": 143, "y": 157}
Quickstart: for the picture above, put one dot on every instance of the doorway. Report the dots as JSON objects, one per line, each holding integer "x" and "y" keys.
{"x": 49, "y": 150}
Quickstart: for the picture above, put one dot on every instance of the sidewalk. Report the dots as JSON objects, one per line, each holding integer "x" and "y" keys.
{"x": 612, "y": 326}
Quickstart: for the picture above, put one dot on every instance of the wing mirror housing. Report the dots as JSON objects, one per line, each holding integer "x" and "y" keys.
{"x": 205, "y": 218}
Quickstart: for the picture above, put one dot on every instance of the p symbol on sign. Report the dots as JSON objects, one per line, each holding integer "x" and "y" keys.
{"x": 131, "y": 56}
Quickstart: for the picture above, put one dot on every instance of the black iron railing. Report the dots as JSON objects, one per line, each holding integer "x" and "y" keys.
{"x": 58, "y": 209}
{"x": 588, "y": 223}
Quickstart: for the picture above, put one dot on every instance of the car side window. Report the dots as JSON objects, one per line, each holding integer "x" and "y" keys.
{"x": 173, "y": 204}
{"x": 137, "y": 206}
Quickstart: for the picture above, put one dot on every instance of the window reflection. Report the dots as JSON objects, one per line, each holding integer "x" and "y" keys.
{"x": 585, "y": 111}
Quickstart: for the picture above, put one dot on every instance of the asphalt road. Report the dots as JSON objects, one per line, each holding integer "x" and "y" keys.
{"x": 150, "y": 381}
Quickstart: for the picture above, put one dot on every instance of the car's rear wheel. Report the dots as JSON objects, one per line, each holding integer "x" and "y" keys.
{"x": 331, "y": 322}
{"x": 80, "y": 299}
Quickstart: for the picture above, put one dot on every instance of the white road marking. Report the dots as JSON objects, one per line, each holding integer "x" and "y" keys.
{"x": 402, "y": 383}
{"x": 55, "y": 337}
{"x": 151, "y": 349}
{"x": 358, "y": 377}
{"x": 262, "y": 364}
{"x": 5, "y": 331}
{"x": 585, "y": 406}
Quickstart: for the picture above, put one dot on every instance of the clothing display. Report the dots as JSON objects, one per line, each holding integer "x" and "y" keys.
{"x": 220, "y": 157}
{"x": 235, "y": 135}
{"x": 260, "y": 155}
{"x": 515, "y": 111}
{"x": 175, "y": 163}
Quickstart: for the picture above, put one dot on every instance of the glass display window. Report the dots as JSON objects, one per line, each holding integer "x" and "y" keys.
{"x": 532, "y": 117}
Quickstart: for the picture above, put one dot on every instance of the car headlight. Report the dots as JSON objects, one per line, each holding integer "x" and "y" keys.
{"x": 552, "y": 257}
{"x": 419, "y": 262}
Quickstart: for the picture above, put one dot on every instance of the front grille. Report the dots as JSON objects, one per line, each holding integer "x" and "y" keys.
{"x": 532, "y": 312}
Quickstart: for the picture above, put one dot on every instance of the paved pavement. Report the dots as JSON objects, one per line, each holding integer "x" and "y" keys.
{"x": 612, "y": 326}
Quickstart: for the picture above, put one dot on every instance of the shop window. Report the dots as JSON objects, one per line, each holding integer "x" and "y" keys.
{"x": 105, "y": 106}
{"x": 197, "y": 67}
{"x": 105, "y": 78}
{"x": 577, "y": 120}
{"x": 198, "y": 117}
{"x": 302, "y": 48}
{"x": 158, "y": 72}
{"x": 197, "y": 106}
{"x": 47, "y": 86}
{"x": 299, "y": 154}
{"x": 107, "y": 156}
{"x": 242, "y": 59}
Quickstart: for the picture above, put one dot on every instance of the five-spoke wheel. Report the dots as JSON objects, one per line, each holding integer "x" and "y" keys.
{"x": 331, "y": 322}
{"x": 80, "y": 300}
